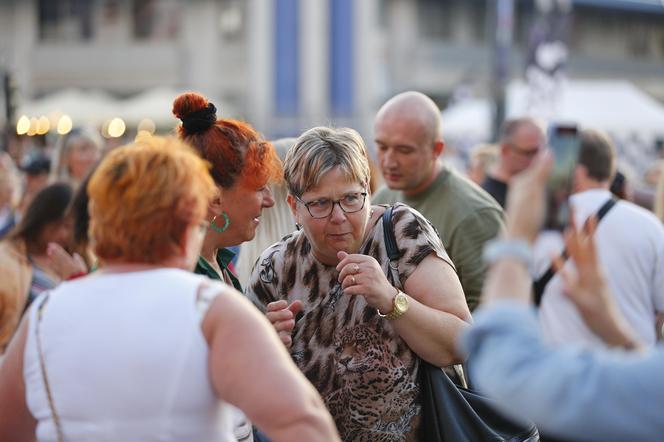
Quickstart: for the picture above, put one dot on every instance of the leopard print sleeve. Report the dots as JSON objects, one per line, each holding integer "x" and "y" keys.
{"x": 417, "y": 238}
{"x": 263, "y": 282}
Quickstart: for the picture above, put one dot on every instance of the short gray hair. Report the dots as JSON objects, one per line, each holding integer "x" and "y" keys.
{"x": 509, "y": 127}
{"x": 321, "y": 149}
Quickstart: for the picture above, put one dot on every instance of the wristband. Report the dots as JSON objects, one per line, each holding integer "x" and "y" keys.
{"x": 517, "y": 249}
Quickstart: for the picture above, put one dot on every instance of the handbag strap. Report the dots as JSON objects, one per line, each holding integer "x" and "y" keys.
{"x": 388, "y": 232}
{"x": 393, "y": 253}
{"x": 391, "y": 247}
{"x": 540, "y": 284}
{"x": 42, "y": 364}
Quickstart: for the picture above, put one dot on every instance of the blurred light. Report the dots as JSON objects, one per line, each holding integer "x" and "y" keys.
{"x": 64, "y": 125}
{"x": 22, "y": 125}
{"x": 142, "y": 135}
{"x": 43, "y": 125}
{"x": 147, "y": 125}
{"x": 116, "y": 127}
{"x": 34, "y": 125}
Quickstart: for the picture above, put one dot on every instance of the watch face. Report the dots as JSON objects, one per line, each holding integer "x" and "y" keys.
{"x": 401, "y": 302}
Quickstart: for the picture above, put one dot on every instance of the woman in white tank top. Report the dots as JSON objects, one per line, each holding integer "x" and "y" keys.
{"x": 142, "y": 349}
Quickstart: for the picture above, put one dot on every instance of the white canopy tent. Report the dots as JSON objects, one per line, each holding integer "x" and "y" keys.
{"x": 156, "y": 104}
{"x": 84, "y": 107}
{"x": 615, "y": 106}
{"x": 94, "y": 108}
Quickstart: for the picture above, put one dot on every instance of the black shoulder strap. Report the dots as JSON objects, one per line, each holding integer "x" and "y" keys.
{"x": 391, "y": 246}
{"x": 542, "y": 281}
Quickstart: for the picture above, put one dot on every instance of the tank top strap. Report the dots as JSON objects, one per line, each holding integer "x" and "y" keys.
{"x": 206, "y": 293}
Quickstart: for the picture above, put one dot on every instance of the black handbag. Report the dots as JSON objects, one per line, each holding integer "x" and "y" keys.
{"x": 451, "y": 413}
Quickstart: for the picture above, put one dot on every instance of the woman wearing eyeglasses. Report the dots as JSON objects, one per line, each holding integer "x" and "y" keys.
{"x": 357, "y": 335}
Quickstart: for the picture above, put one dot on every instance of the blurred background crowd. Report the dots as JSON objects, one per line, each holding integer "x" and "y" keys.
{"x": 113, "y": 67}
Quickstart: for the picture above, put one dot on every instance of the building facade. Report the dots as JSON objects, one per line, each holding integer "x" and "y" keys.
{"x": 286, "y": 65}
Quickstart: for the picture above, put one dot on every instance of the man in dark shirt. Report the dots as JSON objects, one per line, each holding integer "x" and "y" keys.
{"x": 520, "y": 140}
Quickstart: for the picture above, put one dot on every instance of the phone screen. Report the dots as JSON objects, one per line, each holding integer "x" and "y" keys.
{"x": 564, "y": 144}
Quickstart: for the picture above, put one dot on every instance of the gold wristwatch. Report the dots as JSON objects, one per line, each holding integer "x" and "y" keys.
{"x": 399, "y": 306}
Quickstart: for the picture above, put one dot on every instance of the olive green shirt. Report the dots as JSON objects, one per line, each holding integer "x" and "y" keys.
{"x": 224, "y": 257}
{"x": 465, "y": 216}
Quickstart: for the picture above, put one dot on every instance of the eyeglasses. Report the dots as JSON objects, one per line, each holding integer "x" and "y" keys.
{"x": 526, "y": 152}
{"x": 322, "y": 208}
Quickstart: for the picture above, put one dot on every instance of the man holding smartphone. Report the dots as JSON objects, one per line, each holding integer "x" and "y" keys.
{"x": 630, "y": 247}
{"x": 521, "y": 139}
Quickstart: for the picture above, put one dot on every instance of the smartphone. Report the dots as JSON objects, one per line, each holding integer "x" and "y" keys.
{"x": 564, "y": 143}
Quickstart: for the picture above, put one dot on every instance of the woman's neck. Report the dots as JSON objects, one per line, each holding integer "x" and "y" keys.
{"x": 209, "y": 249}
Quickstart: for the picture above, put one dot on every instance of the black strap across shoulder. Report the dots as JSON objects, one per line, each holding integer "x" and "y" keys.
{"x": 391, "y": 246}
{"x": 542, "y": 281}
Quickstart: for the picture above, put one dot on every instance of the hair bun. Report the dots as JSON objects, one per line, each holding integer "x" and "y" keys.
{"x": 200, "y": 120}
{"x": 195, "y": 111}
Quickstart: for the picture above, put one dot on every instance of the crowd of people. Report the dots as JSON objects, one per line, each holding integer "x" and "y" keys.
{"x": 125, "y": 313}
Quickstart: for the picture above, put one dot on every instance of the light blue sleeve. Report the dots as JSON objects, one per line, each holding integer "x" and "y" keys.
{"x": 566, "y": 391}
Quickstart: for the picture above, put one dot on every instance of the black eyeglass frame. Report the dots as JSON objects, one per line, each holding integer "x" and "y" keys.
{"x": 306, "y": 204}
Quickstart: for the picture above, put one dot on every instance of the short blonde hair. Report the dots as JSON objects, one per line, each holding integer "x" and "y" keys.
{"x": 319, "y": 150}
{"x": 144, "y": 196}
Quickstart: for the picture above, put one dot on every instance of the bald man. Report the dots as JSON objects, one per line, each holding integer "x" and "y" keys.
{"x": 409, "y": 144}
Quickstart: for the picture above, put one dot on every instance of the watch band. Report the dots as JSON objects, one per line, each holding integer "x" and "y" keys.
{"x": 395, "y": 312}
{"x": 518, "y": 249}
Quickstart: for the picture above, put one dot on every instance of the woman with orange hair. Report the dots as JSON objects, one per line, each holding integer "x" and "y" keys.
{"x": 243, "y": 166}
{"x": 142, "y": 349}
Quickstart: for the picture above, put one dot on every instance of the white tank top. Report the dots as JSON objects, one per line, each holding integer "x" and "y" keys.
{"x": 126, "y": 360}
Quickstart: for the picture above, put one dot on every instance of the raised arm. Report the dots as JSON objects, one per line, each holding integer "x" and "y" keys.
{"x": 570, "y": 393}
{"x": 566, "y": 392}
{"x": 251, "y": 369}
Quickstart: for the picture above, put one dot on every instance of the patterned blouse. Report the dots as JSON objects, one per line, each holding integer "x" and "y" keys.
{"x": 364, "y": 371}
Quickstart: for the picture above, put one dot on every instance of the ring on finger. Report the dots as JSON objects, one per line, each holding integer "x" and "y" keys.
{"x": 352, "y": 280}
{"x": 356, "y": 269}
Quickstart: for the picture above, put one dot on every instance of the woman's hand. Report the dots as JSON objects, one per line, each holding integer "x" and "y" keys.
{"x": 361, "y": 275}
{"x": 64, "y": 264}
{"x": 282, "y": 317}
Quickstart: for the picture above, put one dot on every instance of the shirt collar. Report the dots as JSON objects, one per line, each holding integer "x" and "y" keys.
{"x": 588, "y": 202}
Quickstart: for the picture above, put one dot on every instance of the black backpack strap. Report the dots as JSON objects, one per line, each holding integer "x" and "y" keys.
{"x": 542, "y": 281}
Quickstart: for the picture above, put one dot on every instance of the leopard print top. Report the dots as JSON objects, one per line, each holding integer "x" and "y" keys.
{"x": 364, "y": 371}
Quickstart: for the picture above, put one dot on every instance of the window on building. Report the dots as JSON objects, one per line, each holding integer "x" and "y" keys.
{"x": 232, "y": 16}
{"x": 66, "y": 20}
{"x": 435, "y": 18}
{"x": 155, "y": 19}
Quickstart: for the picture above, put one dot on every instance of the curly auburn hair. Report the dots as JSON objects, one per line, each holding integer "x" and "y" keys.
{"x": 143, "y": 197}
{"x": 236, "y": 150}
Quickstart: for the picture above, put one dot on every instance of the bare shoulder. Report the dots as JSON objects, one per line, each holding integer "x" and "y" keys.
{"x": 230, "y": 309}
